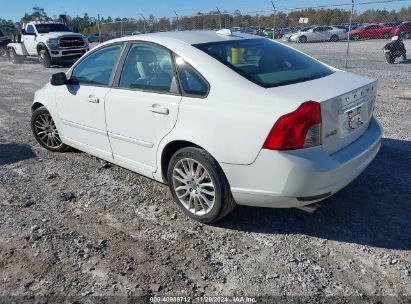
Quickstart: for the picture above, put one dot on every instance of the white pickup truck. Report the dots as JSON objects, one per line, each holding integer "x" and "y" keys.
{"x": 50, "y": 42}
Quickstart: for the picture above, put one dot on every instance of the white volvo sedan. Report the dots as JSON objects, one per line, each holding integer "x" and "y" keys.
{"x": 222, "y": 118}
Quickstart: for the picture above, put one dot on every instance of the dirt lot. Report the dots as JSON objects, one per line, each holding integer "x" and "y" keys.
{"x": 115, "y": 233}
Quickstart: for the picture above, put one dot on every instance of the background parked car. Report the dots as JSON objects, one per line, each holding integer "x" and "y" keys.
{"x": 94, "y": 38}
{"x": 287, "y": 37}
{"x": 320, "y": 33}
{"x": 371, "y": 31}
{"x": 403, "y": 29}
{"x": 3, "y": 44}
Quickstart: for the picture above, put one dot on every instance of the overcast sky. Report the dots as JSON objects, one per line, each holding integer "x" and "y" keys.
{"x": 14, "y": 10}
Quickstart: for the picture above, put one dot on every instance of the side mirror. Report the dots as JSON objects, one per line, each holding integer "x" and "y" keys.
{"x": 58, "y": 79}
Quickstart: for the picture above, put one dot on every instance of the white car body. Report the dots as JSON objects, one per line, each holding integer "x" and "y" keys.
{"x": 133, "y": 128}
{"x": 320, "y": 33}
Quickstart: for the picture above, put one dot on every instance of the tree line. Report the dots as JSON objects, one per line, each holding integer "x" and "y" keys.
{"x": 212, "y": 20}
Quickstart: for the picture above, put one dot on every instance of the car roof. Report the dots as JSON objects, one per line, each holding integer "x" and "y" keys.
{"x": 191, "y": 37}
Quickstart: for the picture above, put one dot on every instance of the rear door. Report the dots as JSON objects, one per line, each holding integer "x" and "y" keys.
{"x": 143, "y": 105}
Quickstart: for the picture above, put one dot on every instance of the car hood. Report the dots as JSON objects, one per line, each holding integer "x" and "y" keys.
{"x": 61, "y": 34}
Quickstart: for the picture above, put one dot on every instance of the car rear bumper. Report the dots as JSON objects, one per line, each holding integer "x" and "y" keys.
{"x": 283, "y": 179}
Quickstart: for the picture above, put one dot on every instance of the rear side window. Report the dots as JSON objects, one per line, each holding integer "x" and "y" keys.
{"x": 97, "y": 68}
{"x": 266, "y": 63}
{"x": 191, "y": 81}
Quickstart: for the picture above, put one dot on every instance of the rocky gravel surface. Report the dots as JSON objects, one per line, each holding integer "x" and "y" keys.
{"x": 74, "y": 226}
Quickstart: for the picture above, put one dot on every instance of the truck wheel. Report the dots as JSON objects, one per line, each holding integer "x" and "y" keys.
{"x": 390, "y": 59}
{"x": 14, "y": 58}
{"x": 44, "y": 58}
{"x": 3, "y": 51}
{"x": 199, "y": 186}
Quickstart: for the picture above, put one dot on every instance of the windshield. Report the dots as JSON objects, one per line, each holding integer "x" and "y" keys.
{"x": 52, "y": 27}
{"x": 266, "y": 63}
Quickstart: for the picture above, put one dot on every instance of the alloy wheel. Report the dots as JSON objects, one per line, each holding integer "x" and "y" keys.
{"x": 194, "y": 186}
{"x": 47, "y": 132}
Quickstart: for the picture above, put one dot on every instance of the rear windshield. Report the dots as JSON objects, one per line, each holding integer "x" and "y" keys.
{"x": 266, "y": 63}
{"x": 48, "y": 28}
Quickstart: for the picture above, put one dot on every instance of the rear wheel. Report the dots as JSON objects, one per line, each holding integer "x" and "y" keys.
{"x": 407, "y": 35}
{"x": 199, "y": 186}
{"x": 3, "y": 51}
{"x": 302, "y": 39}
{"x": 14, "y": 58}
{"x": 386, "y": 35}
{"x": 45, "y": 131}
{"x": 356, "y": 37}
{"x": 334, "y": 38}
{"x": 390, "y": 58}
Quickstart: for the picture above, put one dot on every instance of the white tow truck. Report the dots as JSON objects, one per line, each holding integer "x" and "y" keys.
{"x": 50, "y": 42}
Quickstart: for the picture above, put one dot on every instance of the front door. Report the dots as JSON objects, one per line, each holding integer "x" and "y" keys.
{"x": 30, "y": 40}
{"x": 81, "y": 104}
{"x": 143, "y": 108}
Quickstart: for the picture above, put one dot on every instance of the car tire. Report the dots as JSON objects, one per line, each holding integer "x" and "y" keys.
{"x": 356, "y": 37}
{"x": 386, "y": 35}
{"x": 407, "y": 35}
{"x": 3, "y": 51}
{"x": 390, "y": 59}
{"x": 45, "y": 58}
{"x": 199, "y": 186}
{"x": 45, "y": 131}
{"x": 302, "y": 39}
{"x": 334, "y": 38}
{"x": 14, "y": 58}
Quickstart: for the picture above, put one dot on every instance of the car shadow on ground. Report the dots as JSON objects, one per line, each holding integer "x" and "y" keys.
{"x": 13, "y": 153}
{"x": 374, "y": 210}
{"x": 408, "y": 61}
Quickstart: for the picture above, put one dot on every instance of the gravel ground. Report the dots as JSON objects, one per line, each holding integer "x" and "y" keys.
{"x": 71, "y": 225}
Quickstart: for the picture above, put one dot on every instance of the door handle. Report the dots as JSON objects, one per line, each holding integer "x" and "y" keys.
{"x": 163, "y": 111}
{"x": 93, "y": 99}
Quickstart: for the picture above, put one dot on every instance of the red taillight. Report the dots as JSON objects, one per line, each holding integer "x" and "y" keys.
{"x": 296, "y": 130}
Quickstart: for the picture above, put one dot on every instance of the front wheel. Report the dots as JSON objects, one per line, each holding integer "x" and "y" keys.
{"x": 303, "y": 39}
{"x": 45, "y": 131}
{"x": 356, "y": 37}
{"x": 199, "y": 186}
{"x": 44, "y": 58}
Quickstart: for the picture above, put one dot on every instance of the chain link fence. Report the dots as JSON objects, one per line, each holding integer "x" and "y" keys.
{"x": 345, "y": 23}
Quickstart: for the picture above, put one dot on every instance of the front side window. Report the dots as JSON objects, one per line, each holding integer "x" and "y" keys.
{"x": 30, "y": 29}
{"x": 147, "y": 67}
{"x": 97, "y": 68}
{"x": 191, "y": 81}
{"x": 266, "y": 63}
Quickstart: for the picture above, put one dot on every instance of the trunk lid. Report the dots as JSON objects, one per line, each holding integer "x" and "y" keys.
{"x": 347, "y": 104}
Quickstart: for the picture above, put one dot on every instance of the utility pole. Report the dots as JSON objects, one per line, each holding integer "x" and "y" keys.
{"x": 177, "y": 19}
{"x": 272, "y": 3}
{"x": 219, "y": 13}
{"x": 99, "y": 28}
{"x": 349, "y": 34}
{"x": 144, "y": 23}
